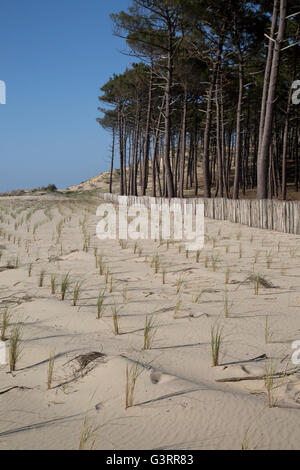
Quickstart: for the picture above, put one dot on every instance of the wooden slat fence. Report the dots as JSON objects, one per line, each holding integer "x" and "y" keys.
{"x": 280, "y": 216}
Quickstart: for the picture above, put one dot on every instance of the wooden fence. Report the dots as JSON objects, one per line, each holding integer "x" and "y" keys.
{"x": 280, "y": 216}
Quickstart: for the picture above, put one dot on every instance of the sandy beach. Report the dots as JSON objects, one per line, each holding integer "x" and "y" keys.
{"x": 244, "y": 285}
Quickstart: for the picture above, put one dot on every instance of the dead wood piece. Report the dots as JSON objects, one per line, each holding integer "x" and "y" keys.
{"x": 2, "y": 392}
{"x": 85, "y": 359}
{"x": 277, "y": 375}
{"x": 7, "y": 267}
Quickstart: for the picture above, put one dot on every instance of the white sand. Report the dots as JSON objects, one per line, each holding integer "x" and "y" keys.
{"x": 178, "y": 402}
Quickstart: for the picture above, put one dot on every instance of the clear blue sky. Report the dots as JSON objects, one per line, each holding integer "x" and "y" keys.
{"x": 55, "y": 55}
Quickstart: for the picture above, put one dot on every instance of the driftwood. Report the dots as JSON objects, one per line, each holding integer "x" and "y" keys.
{"x": 86, "y": 363}
{"x": 277, "y": 375}
{"x": 6, "y": 268}
{"x": 262, "y": 281}
{"x": 2, "y": 392}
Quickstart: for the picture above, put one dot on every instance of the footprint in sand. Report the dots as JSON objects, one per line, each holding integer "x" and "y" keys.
{"x": 155, "y": 377}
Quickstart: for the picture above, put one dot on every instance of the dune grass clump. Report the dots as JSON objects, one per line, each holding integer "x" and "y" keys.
{"x": 123, "y": 244}
{"x": 15, "y": 349}
{"x": 86, "y": 243}
{"x": 132, "y": 375}
{"x": 270, "y": 384}
{"x": 257, "y": 284}
{"x": 50, "y": 369}
{"x": 53, "y": 284}
{"x": 206, "y": 261}
{"x": 216, "y": 342}
{"x": 214, "y": 262}
{"x": 42, "y": 277}
{"x": 269, "y": 259}
{"x": 100, "y": 300}
{"x": 179, "y": 285}
{"x": 155, "y": 264}
{"x": 197, "y": 297}
{"x": 149, "y": 333}
{"x": 96, "y": 257}
{"x": 76, "y": 293}
{"x": 111, "y": 284}
{"x": 256, "y": 256}
{"x": 107, "y": 272}
{"x": 268, "y": 331}
{"x": 125, "y": 293}
{"x": 227, "y": 306}
{"x": 115, "y": 317}
{"x": 87, "y": 436}
{"x": 64, "y": 286}
{"x": 35, "y": 227}
{"x": 59, "y": 227}
{"x": 4, "y": 323}
{"x": 177, "y": 307}
{"x": 101, "y": 264}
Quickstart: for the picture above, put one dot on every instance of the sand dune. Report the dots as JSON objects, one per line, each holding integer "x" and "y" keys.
{"x": 180, "y": 400}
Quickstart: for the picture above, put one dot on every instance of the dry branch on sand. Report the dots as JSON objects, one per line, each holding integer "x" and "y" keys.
{"x": 275, "y": 375}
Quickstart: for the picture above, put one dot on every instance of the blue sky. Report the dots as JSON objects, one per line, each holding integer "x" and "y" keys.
{"x": 55, "y": 55}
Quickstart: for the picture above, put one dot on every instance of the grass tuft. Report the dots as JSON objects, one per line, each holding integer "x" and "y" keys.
{"x": 149, "y": 333}
{"x": 42, "y": 278}
{"x": 53, "y": 284}
{"x": 87, "y": 435}
{"x": 115, "y": 316}
{"x": 100, "y": 301}
{"x": 268, "y": 331}
{"x": 4, "y": 323}
{"x": 216, "y": 342}
{"x": 15, "y": 349}
{"x": 64, "y": 286}
{"x": 50, "y": 369}
{"x": 132, "y": 375}
{"x": 76, "y": 293}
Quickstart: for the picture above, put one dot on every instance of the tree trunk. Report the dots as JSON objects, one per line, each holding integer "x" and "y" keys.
{"x": 167, "y": 165}
{"x": 285, "y": 145}
{"x": 183, "y": 145}
{"x": 112, "y": 161}
{"x": 238, "y": 145}
{"x": 121, "y": 149}
{"x": 147, "y": 136}
{"x": 206, "y": 169}
{"x": 263, "y": 157}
